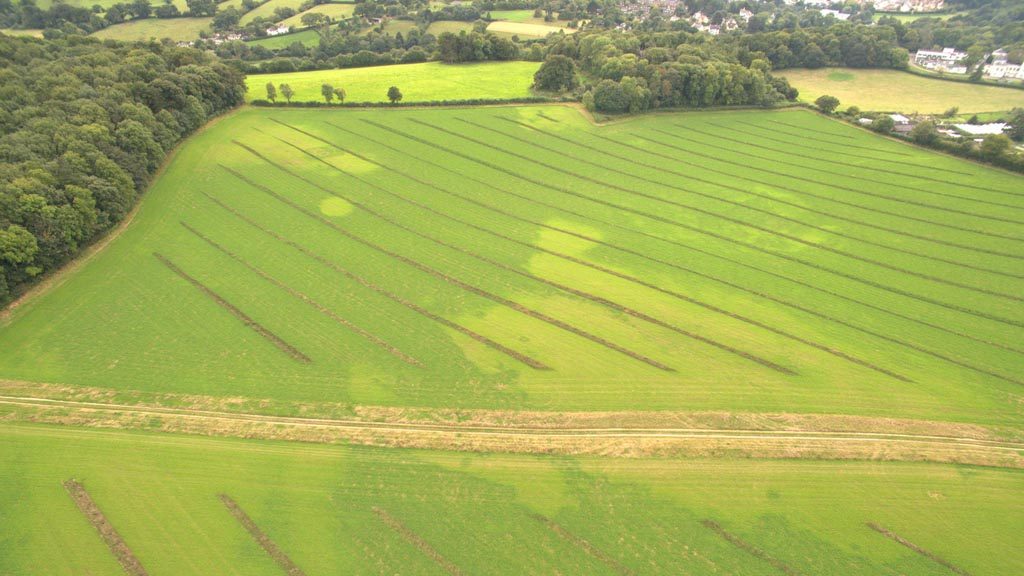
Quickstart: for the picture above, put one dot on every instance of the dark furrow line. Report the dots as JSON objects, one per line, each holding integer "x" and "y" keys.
{"x": 764, "y": 250}
{"x": 725, "y": 259}
{"x": 261, "y": 537}
{"x": 301, "y": 296}
{"x": 755, "y": 209}
{"x": 844, "y": 152}
{"x": 445, "y": 277}
{"x": 669, "y": 171}
{"x": 644, "y": 283}
{"x": 749, "y": 548}
{"x": 255, "y": 326}
{"x": 583, "y": 544}
{"x": 904, "y": 542}
{"x": 804, "y": 129}
{"x": 850, "y": 176}
{"x": 559, "y": 286}
{"x": 118, "y": 547}
{"x": 798, "y": 177}
{"x": 415, "y": 539}
{"x": 532, "y": 363}
{"x": 800, "y": 192}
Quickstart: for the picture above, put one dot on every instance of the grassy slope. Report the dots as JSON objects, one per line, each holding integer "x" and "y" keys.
{"x": 125, "y": 321}
{"x": 419, "y": 82}
{"x": 266, "y": 10}
{"x": 477, "y": 511}
{"x": 308, "y": 38}
{"x": 173, "y": 28}
{"x": 332, "y": 11}
{"x": 533, "y": 28}
{"x": 442, "y": 26}
{"x": 892, "y": 90}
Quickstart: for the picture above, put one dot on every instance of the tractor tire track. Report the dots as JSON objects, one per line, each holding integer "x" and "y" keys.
{"x": 519, "y": 356}
{"x": 413, "y": 538}
{"x": 904, "y": 542}
{"x": 261, "y": 538}
{"x": 750, "y": 548}
{"x": 255, "y": 326}
{"x": 87, "y": 506}
{"x": 583, "y": 544}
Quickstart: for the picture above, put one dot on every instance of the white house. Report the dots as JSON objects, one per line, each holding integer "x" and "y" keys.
{"x": 276, "y": 30}
{"x": 835, "y": 14}
{"x": 948, "y": 60}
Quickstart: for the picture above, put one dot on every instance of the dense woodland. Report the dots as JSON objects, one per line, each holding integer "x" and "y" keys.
{"x": 83, "y": 127}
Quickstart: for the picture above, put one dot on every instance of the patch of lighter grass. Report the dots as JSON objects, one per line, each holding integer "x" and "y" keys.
{"x": 564, "y": 243}
{"x": 335, "y": 207}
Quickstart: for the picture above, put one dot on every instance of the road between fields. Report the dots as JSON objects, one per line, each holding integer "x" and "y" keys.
{"x": 631, "y": 441}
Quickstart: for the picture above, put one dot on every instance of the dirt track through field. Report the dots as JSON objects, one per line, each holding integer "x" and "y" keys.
{"x": 415, "y": 539}
{"x": 750, "y": 548}
{"x": 904, "y": 542}
{"x": 261, "y": 538}
{"x": 274, "y": 339}
{"x": 583, "y": 544}
{"x": 106, "y": 530}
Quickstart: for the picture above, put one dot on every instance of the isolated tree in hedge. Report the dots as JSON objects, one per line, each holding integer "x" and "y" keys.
{"x": 328, "y": 92}
{"x": 558, "y": 72}
{"x": 883, "y": 124}
{"x": 995, "y": 146}
{"x": 925, "y": 133}
{"x": 271, "y": 92}
{"x": 394, "y": 94}
{"x": 826, "y": 103}
{"x": 287, "y": 92}
{"x": 340, "y": 94}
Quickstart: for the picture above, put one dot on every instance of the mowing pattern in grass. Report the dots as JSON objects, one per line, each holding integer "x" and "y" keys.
{"x": 520, "y": 258}
{"x": 261, "y": 538}
{"x": 106, "y": 530}
{"x": 904, "y": 542}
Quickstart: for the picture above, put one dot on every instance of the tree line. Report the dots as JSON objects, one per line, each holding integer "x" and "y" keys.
{"x": 84, "y": 125}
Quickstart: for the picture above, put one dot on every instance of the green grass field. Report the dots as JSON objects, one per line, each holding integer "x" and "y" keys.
{"x": 442, "y": 26}
{"x": 35, "y": 33}
{"x": 513, "y": 15}
{"x": 370, "y": 511}
{"x": 533, "y": 28}
{"x": 266, "y": 10}
{"x": 333, "y": 11}
{"x": 895, "y": 91}
{"x": 418, "y": 82}
{"x": 308, "y": 38}
{"x": 522, "y": 258}
{"x": 158, "y": 28}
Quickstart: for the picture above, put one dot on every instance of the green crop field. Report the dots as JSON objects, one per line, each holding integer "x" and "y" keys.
{"x": 337, "y": 510}
{"x": 158, "y": 28}
{"x": 418, "y": 82}
{"x": 308, "y": 38}
{"x": 895, "y": 91}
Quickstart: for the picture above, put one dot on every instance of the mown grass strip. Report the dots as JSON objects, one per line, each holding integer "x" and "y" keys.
{"x": 810, "y": 264}
{"x": 511, "y": 269}
{"x": 446, "y": 277}
{"x": 261, "y": 537}
{"x": 749, "y": 548}
{"x": 724, "y": 238}
{"x": 583, "y": 544}
{"x": 519, "y": 356}
{"x": 380, "y": 342}
{"x": 255, "y": 326}
{"x": 919, "y": 204}
{"x": 802, "y": 133}
{"x": 904, "y": 542}
{"x": 773, "y": 199}
{"x": 845, "y": 153}
{"x": 87, "y": 506}
{"x": 413, "y": 538}
{"x": 887, "y": 246}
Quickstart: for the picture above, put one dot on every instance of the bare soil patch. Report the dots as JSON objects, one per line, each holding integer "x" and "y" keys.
{"x": 108, "y": 533}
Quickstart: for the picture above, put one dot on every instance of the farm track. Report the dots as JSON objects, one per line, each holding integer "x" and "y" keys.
{"x": 929, "y": 555}
{"x": 519, "y": 356}
{"x": 583, "y": 544}
{"x": 558, "y": 286}
{"x": 413, "y": 538}
{"x": 750, "y": 548}
{"x": 107, "y": 532}
{"x": 528, "y": 439}
{"x": 446, "y": 277}
{"x": 755, "y": 209}
{"x": 788, "y": 153}
{"x": 569, "y": 258}
{"x": 316, "y": 305}
{"x": 668, "y": 241}
{"x": 846, "y": 153}
{"x": 255, "y": 326}
{"x": 261, "y": 538}
{"x": 879, "y": 285}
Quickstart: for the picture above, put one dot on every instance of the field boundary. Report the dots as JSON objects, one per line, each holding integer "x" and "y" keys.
{"x": 261, "y": 537}
{"x": 929, "y": 555}
{"x": 118, "y": 547}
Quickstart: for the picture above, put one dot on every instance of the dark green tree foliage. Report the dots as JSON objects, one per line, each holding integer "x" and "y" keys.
{"x": 83, "y": 127}
{"x": 826, "y": 103}
{"x": 474, "y": 47}
{"x": 557, "y": 73}
{"x": 394, "y": 94}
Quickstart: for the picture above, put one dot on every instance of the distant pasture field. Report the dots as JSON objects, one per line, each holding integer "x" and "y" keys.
{"x": 174, "y": 28}
{"x": 527, "y": 29}
{"x": 308, "y": 38}
{"x": 333, "y": 11}
{"x": 896, "y": 91}
{"x": 520, "y": 257}
{"x": 442, "y": 26}
{"x": 344, "y": 510}
{"x": 418, "y": 82}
